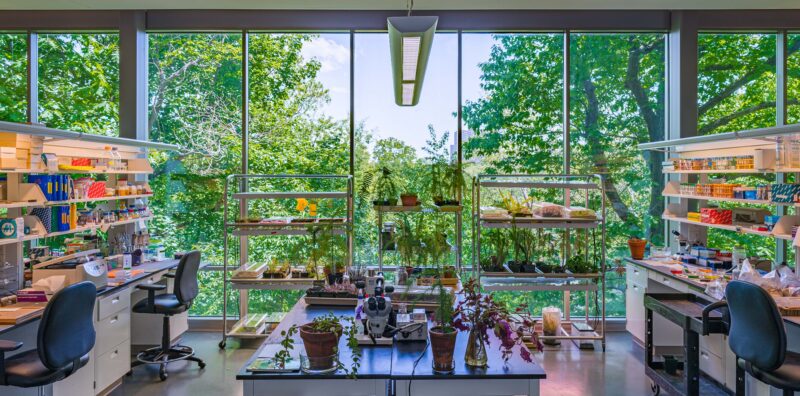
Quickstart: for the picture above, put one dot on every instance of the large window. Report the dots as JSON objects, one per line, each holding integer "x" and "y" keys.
{"x": 617, "y": 102}
{"x": 793, "y": 78}
{"x": 736, "y": 91}
{"x": 195, "y": 91}
{"x": 13, "y": 74}
{"x": 736, "y": 81}
{"x": 404, "y": 144}
{"x": 299, "y": 124}
{"x": 79, "y": 82}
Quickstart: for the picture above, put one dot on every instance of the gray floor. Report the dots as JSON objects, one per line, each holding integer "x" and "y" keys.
{"x": 570, "y": 371}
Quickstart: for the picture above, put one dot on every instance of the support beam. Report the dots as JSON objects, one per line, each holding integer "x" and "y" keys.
{"x": 780, "y": 119}
{"x": 32, "y": 92}
{"x": 133, "y": 76}
{"x": 681, "y": 94}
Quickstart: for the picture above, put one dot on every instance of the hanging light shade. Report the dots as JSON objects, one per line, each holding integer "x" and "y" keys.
{"x": 410, "y": 40}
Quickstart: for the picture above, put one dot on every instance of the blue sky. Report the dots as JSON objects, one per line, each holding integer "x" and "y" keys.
{"x": 374, "y": 97}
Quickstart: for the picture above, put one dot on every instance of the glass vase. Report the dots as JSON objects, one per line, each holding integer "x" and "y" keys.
{"x": 476, "y": 350}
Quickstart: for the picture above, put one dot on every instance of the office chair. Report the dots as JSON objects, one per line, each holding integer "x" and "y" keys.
{"x": 168, "y": 304}
{"x": 758, "y": 339}
{"x": 65, "y": 338}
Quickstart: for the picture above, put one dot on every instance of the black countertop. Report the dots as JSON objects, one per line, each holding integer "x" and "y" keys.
{"x": 117, "y": 285}
{"x": 397, "y": 361}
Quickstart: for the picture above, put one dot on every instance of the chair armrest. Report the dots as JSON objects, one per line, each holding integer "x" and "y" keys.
{"x": 151, "y": 287}
{"x": 151, "y": 292}
{"x": 8, "y": 346}
{"x": 707, "y": 311}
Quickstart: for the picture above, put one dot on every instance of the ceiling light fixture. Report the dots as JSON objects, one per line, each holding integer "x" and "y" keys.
{"x": 410, "y": 40}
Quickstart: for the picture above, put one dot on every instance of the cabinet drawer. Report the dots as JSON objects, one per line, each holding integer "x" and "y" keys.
{"x": 156, "y": 277}
{"x": 635, "y": 274}
{"x": 112, "y": 330}
{"x": 109, "y": 305}
{"x": 668, "y": 281}
{"x": 712, "y": 365}
{"x": 714, "y": 343}
{"x": 112, "y": 365}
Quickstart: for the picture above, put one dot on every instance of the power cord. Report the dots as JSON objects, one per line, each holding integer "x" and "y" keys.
{"x": 416, "y": 362}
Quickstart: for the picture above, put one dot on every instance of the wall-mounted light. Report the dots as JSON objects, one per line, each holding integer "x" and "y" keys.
{"x": 410, "y": 40}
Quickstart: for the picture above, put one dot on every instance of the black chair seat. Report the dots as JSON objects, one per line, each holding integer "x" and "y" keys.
{"x": 165, "y": 304}
{"x": 27, "y": 370}
{"x": 787, "y": 376}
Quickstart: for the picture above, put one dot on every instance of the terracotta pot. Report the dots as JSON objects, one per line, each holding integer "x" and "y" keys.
{"x": 443, "y": 346}
{"x": 409, "y": 199}
{"x": 637, "y": 248}
{"x": 321, "y": 347}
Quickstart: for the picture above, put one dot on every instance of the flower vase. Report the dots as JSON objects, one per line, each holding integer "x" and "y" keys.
{"x": 476, "y": 350}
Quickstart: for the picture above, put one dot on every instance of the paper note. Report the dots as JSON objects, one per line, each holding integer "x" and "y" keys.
{"x": 9, "y": 309}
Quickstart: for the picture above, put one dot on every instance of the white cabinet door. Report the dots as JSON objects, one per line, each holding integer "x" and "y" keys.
{"x": 79, "y": 383}
{"x": 634, "y": 310}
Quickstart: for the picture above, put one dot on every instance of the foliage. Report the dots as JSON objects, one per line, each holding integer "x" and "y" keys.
{"x": 330, "y": 323}
{"x": 478, "y": 312}
{"x": 13, "y": 73}
{"x": 287, "y": 344}
{"x": 444, "y": 314}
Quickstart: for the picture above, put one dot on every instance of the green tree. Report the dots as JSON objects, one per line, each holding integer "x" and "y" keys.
{"x": 13, "y": 73}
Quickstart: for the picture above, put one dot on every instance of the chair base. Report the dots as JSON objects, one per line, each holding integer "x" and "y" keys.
{"x": 162, "y": 357}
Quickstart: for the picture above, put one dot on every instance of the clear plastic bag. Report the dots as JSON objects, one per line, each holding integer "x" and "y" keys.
{"x": 715, "y": 289}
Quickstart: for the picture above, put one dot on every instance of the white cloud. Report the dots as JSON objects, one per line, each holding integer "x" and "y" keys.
{"x": 331, "y": 55}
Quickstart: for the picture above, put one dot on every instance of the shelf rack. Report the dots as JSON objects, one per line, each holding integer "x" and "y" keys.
{"x": 456, "y": 210}
{"x": 22, "y": 196}
{"x": 238, "y": 190}
{"x": 767, "y": 142}
{"x": 533, "y": 282}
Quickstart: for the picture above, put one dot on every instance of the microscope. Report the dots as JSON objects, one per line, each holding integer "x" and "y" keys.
{"x": 381, "y": 319}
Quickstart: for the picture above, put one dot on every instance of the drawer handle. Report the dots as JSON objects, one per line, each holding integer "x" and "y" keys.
{"x": 635, "y": 271}
{"x": 704, "y": 355}
{"x": 114, "y": 300}
{"x": 114, "y": 319}
{"x": 114, "y": 355}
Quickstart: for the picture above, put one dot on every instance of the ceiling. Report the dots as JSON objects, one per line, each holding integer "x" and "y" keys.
{"x": 396, "y": 4}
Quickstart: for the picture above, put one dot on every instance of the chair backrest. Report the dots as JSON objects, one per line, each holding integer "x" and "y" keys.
{"x": 66, "y": 331}
{"x": 186, "y": 287}
{"x": 756, "y": 333}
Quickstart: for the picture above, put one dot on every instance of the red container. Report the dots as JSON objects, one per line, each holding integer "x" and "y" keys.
{"x": 97, "y": 190}
{"x": 716, "y": 216}
{"x": 81, "y": 162}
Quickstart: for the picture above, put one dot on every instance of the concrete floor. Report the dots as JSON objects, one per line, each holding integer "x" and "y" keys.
{"x": 570, "y": 371}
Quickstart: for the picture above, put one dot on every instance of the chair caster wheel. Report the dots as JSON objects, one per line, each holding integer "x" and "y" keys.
{"x": 222, "y": 344}
{"x": 162, "y": 373}
{"x": 129, "y": 373}
{"x": 655, "y": 388}
{"x": 202, "y": 365}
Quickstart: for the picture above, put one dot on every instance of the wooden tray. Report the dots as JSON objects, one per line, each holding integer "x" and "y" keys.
{"x": 788, "y": 306}
{"x": 20, "y": 312}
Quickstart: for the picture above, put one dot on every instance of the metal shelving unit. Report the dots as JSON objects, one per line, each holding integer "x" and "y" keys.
{"x": 239, "y": 191}
{"x": 532, "y": 282}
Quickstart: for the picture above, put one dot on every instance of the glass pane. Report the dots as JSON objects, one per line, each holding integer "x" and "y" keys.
{"x": 736, "y": 91}
{"x": 195, "y": 91}
{"x": 408, "y": 143}
{"x": 79, "y": 82}
{"x": 617, "y": 102}
{"x": 736, "y": 82}
{"x": 300, "y": 124}
{"x": 14, "y": 75}
{"x": 793, "y": 78}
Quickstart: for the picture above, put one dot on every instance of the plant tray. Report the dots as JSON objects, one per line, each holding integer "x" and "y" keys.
{"x": 538, "y": 275}
{"x": 430, "y": 281}
{"x": 250, "y": 271}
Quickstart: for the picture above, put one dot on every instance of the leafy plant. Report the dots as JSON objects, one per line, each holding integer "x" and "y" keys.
{"x": 387, "y": 185}
{"x": 444, "y": 314}
{"x": 287, "y": 342}
{"x": 408, "y": 244}
{"x": 479, "y": 313}
{"x": 345, "y": 325}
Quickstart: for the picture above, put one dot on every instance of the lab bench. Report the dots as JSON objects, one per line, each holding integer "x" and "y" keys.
{"x": 117, "y": 331}
{"x": 715, "y": 360}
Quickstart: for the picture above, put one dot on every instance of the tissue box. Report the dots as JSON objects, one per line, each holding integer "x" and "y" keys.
{"x": 716, "y": 216}
{"x": 31, "y": 295}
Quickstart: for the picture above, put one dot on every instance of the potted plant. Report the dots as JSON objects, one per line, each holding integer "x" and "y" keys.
{"x": 407, "y": 243}
{"x": 443, "y": 334}
{"x": 479, "y": 313}
{"x": 385, "y": 186}
{"x": 454, "y": 182}
{"x": 409, "y": 199}
{"x": 321, "y": 340}
{"x": 637, "y": 247}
